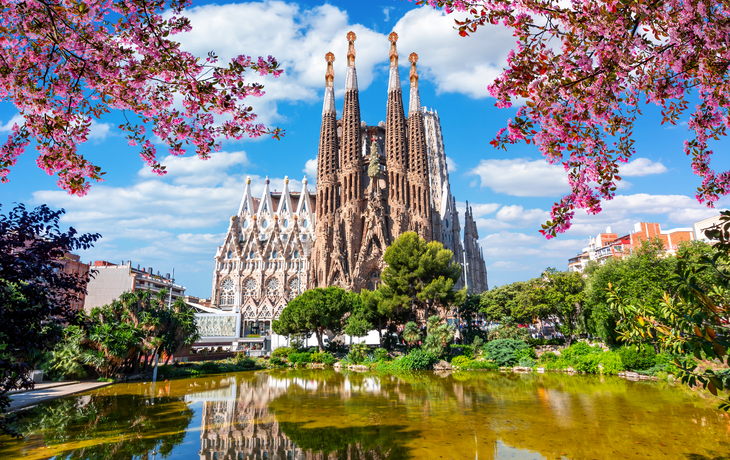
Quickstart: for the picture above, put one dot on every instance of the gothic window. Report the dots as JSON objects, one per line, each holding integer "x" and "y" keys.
{"x": 273, "y": 255}
{"x": 227, "y": 295}
{"x": 272, "y": 287}
{"x": 251, "y": 255}
{"x": 305, "y": 223}
{"x": 296, "y": 254}
{"x": 286, "y": 222}
{"x": 265, "y": 223}
{"x": 245, "y": 224}
{"x": 284, "y": 208}
{"x": 230, "y": 254}
{"x": 293, "y": 287}
{"x": 249, "y": 287}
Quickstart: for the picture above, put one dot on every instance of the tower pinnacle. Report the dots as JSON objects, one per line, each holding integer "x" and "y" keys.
{"x": 414, "y": 104}
{"x": 329, "y": 91}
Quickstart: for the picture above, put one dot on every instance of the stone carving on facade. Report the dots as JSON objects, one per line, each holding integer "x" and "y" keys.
{"x": 216, "y": 326}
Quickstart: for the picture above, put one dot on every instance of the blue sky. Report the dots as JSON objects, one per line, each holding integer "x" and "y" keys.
{"x": 178, "y": 220}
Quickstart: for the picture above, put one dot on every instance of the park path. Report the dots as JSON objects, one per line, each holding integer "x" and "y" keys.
{"x": 48, "y": 392}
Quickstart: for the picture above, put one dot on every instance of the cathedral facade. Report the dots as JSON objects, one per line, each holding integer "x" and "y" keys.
{"x": 373, "y": 184}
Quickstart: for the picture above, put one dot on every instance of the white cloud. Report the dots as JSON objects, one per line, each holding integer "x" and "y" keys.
{"x": 310, "y": 169}
{"x": 521, "y": 216}
{"x": 451, "y": 164}
{"x": 8, "y": 127}
{"x": 455, "y": 64}
{"x": 174, "y": 220}
{"x": 386, "y": 12}
{"x": 297, "y": 37}
{"x": 641, "y": 167}
{"x": 522, "y": 177}
{"x": 99, "y": 131}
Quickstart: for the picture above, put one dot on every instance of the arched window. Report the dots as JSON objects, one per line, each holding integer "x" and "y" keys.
{"x": 273, "y": 255}
{"x": 305, "y": 223}
{"x": 250, "y": 255}
{"x": 286, "y": 223}
{"x": 265, "y": 224}
{"x": 249, "y": 287}
{"x": 272, "y": 287}
{"x": 230, "y": 254}
{"x": 245, "y": 223}
{"x": 227, "y": 296}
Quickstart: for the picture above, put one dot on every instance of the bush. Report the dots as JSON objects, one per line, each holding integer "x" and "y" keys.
{"x": 574, "y": 351}
{"x": 242, "y": 361}
{"x": 358, "y": 352}
{"x": 502, "y": 351}
{"x": 300, "y": 358}
{"x": 525, "y": 353}
{"x": 548, "y": 357}
{"x": 324, "y": 358}
{"x": 417, "y": 360}
{"x": 587, "y": 363}
{"x": 638, "y": 359}
{"x": 381, "y": 354}
{"x": 460, "y": 361}
{"x": 542, "y": 342}
{"x": 283, "y": 352}
{"x": 527, "y": 362}
{"x": 477, "y": 365}
{"x": 612, "y": 363}
{"x": 276, "y": 361}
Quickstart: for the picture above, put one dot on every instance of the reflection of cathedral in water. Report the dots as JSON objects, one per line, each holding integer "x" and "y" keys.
{"x": 237, "y": 423}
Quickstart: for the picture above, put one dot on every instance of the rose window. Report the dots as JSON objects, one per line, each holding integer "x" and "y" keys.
{"x": 272, "y": 287}
{"x": 227, "y": 295}
{"x": 249, "y": 287}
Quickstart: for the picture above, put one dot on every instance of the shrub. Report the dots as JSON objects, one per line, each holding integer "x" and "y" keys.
{"x": 587, "y": 363}
{"x": 476, "y": 365}
{"x": 381, "y": 354}
{"x": 525, "y": 353}
{"x": 324, "y": 358}
{"x": 559, "y": 363}
{"x": 276, "y": 361}
{"x": 502, "y": 351}
{"x": 440, "y": 335}
{"x": 300, "y": 358}
{"x": 637, "y": 359}
{"x": 612, "y": 363}
{"x": 574, "y": 351}
{"x": 527, "y": 362}
{"x": 548, "y": 357}
{"x": 477, "y": 344}
{"x": 541, "y": 342}
{"x": 358, "y": 352}
{"x": 416, "y": 360}
{"x": 460, "y": 361}
{"x": 242, "y": 361}
{"x": 283, "y": 352}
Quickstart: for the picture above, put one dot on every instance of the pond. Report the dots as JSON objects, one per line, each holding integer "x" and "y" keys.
{"x": 323, "y": 414}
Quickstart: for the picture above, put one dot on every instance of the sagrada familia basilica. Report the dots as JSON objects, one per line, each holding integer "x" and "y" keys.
{"x": 373, "y": 184}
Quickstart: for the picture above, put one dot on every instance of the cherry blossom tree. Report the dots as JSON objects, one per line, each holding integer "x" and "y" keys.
{"x": 65, "y": 63}
{"x": 584, "y": 68}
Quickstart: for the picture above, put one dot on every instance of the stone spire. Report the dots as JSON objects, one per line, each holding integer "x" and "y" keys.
{"x": 418, "y": 179}
{"x": 247, "y": 200}
{"x": 396, "y": 146}
{"x": 328, "y": 164}
{"x": 351, "y": 143}
{"x": 329, "y": 89}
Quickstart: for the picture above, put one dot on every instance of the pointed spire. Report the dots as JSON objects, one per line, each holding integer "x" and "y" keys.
{"x": 351, "y": 80}
{"x": 414, "y": 105}
{"x": 247, "y": 200}
{"x": 285, "y": 201}
{"x": 265, "y": 205}
{"x": 329, "y": 91}
{"x": 304, "y": 208}
{"x": 394, "y": 80}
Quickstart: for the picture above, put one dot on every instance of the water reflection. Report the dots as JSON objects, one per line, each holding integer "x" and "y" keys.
{"x": 324, "y": 414}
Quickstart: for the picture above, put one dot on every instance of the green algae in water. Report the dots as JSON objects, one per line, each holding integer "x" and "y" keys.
{"x": 323, "y": 414}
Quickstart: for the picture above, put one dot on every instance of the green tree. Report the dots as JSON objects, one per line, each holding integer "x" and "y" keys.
{"x": 507, "y": 300}
{"x": 695, "y": 321}
{"x": 644, "y": 276}
{"x": 316, "y": 311}
{"x": 420, "y": 278}
{"x": 440, "y": 335}
{"x": 36, "y": 295}
{"x": 559, "y": 295}
{"x": 369, "y": 313}
{"x": 411, "y": 334}
{"x": 116, "y": 337}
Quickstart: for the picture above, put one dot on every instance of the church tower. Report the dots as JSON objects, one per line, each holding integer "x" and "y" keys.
{"x": 328, "y": 168}
{"x": 420, "y": 200}
{"x": 396, "y": 147}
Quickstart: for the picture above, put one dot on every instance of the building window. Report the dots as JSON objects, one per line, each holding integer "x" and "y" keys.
{"x": 249, "y": 287}
{"x": 230, "y": 254}
{"x": 305, "y": 223}
{"x": 245, "y": 224}
{"x": 227, "y": 295}
{"x": 265, "y": 223}
{"x": 250, "y": 255}
{"x": 293, "y": 287}
{"x": 272, "y": 287}
{"x": 373, "y": 280}
{"x": 273, "y": 255}
{"x": 286, "y": 221}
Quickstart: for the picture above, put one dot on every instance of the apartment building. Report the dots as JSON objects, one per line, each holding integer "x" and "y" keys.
{"x": 110, "y": 280}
